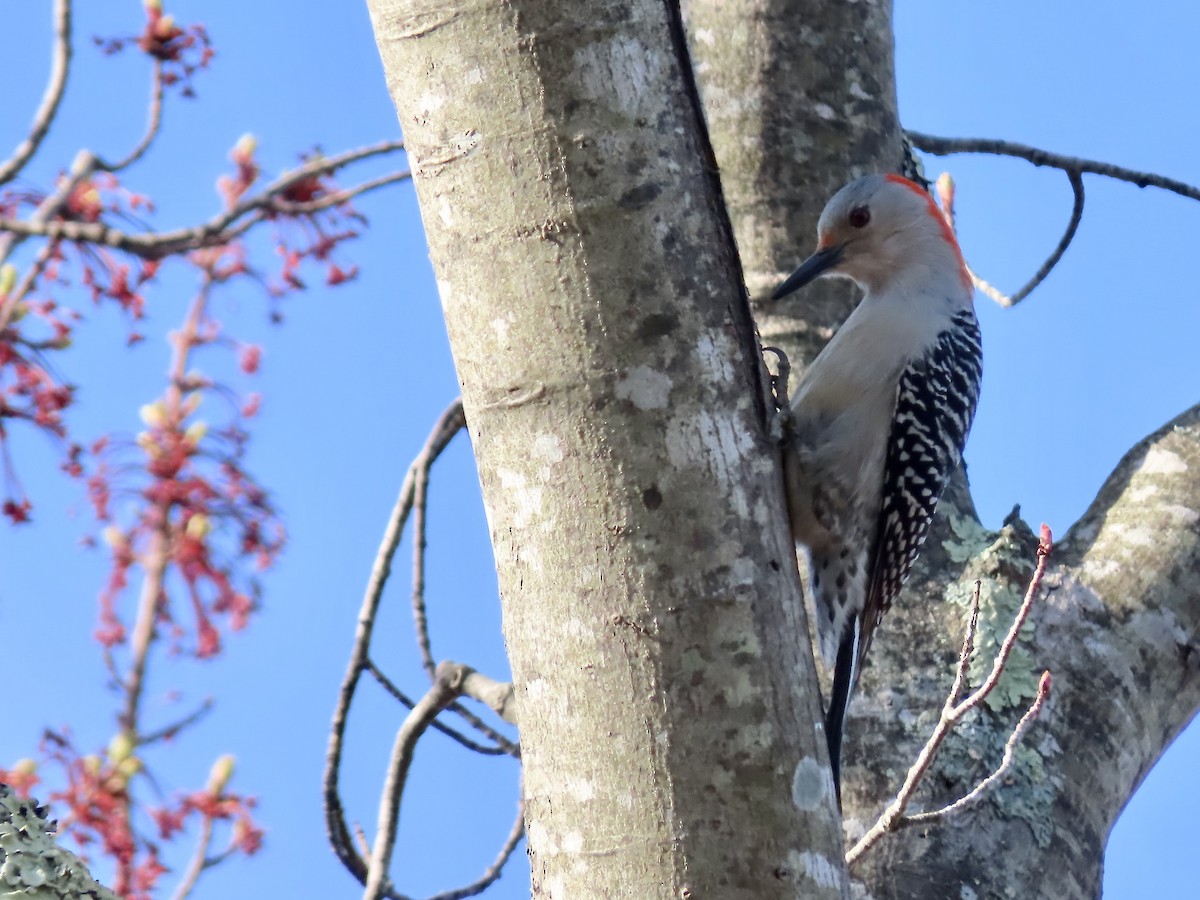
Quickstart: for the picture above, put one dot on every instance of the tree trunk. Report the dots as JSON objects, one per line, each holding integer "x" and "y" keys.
{"x": 615, "y": 399}
{"x": 800, "y": 98}
{"x": 614, "y": 393}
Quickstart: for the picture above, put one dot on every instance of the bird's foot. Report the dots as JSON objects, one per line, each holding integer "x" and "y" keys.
{"x": 780, "y": 425}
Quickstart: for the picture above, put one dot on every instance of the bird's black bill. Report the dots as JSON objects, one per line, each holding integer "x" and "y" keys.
{"x": 815, "y": 265}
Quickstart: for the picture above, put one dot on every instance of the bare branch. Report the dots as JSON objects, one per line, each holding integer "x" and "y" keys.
{"x": 153, "y": 125}
{"x": 492, "y": 872}
{"x": 420, "y": 619}
{"x": 513, "y": 750}
{"x": 448, "y": 425}
{"x": 893, "y": 817}
{"x": 943, "y": 146}
{"x": 508, "y": 748}
{"x": 59, "y": 69}
{"x": 339, "y": 197}
{"x": 82, "y": 167}
{"x": 1045, "y": 545}
{"x": 447, "y": 686}
{"x": 1010, "y": 747}
{"x": 1052, "y": 260}
{"x": 174, "y": 728}
{"x": 497, "y": 695}
{"x": 29, "y": 280}
{"x": 198, "y": 863}
{"x": 968, "y": 647}
{"x": 216, "y": 231}
{"x": 945, "y": 189}
{"x": 155, "y": 560}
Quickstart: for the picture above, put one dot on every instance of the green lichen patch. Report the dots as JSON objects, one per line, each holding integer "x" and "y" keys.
{"x": 32, "y": 865}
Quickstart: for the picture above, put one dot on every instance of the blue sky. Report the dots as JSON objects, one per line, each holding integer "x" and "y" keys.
{"x": 1103, "y": 353}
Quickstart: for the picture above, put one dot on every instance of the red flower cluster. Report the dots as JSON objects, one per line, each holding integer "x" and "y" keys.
{"x": 96, "y": 807}
{"x": 197, "y": 514}
{"x": 181, "y": 50}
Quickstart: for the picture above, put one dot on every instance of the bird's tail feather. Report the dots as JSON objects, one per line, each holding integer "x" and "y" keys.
{"x": 845, "y": 675}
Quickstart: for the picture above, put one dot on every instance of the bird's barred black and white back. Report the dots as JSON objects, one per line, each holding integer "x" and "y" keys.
{"x": 935, "y": 405}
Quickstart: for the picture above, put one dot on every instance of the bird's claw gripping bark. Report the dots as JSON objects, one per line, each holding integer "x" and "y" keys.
{"x": 779, "y": 426}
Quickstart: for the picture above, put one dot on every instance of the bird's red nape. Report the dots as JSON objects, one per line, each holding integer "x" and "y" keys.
{"x": 936, "y": 212}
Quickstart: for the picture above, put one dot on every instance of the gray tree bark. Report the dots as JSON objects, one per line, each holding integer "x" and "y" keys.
{"x": 614, "y": 395}
{"x": 800, "y": 98}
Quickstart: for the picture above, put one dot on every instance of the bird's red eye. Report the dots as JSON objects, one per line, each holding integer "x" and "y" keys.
{"x": 860, "y": 216}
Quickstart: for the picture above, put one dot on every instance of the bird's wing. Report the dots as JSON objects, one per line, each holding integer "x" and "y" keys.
{"x": 935, "y": 403}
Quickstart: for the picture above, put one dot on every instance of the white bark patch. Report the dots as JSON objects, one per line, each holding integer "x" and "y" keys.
{"x": 621, "y": 64}
{"x": 856, "y": 91}
{"x": 536, "y": 690}
{"x": 1130, "y": 536}
{"x": 1101, "y": 568}
{"x": 715, "y": 354}
{"x": 539, "y": 837}
{"x": 818, "y": 869}
{"x": 581, "y": 789}
{"x": 1159, "y": 628}
{"x": 444, "y": 291}
{"x": 810, "y": 784}
{"x": 825, "y": 111}
{"x": 645, "y": 388}
{"x": 548, "y": 447}
{"x": 740, "y": 690}
{"x": 524, "y": 500}
{"x": 705, "y": 36}
{"x": 705, "y": 440}
{"x": 474, "y": 76}
{"x": 966, "y": 892}
{"x": 1143, "y": 492}
{"x": 1183, "y": 515}
{"x": 428, "y": 103}
{"x": 500, "y": 326}
{"x": 572, "y": 842}
{"x": 743, "y": 571}
{"x": 444, "y": 212}
{"x": 1163, "y": 462}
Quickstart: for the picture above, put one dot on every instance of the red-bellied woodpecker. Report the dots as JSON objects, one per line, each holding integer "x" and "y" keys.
{"x": 880, "y": 417}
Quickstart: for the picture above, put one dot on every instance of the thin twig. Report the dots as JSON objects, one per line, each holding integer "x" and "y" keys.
{"x": 29, "y": 280}
{"x": 1064, "y": 242}
{"x": 153, "y": 124}
{"x": 388, "y": 685}
{"x": 943, "y": 146}
{"x": 893, "y": 817}
{"x": 154, "y": 560}
{"x": 60, "y": 67}
{"x": 174, "y": 728}
{"x": 198, "y": 863}
{"x": 361, "y": 837}
{"x": 509, "y": 747}
{"x": 339, "y": 197}
{"x": 1045, "y": 545}
{"x": 82, "y": 167}
{"x": 420, "y": 618}
{"x": 447, "y": 685}
{"x": 496, "y": 695}
{"x": 448, "y": 425}
{"x": 492, "y": 872}
{"x": 945, "y": 192}
{"x": 968, "y": 647}
{"x": 217, "y": 230}
{"x": 1010, "y": 748}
